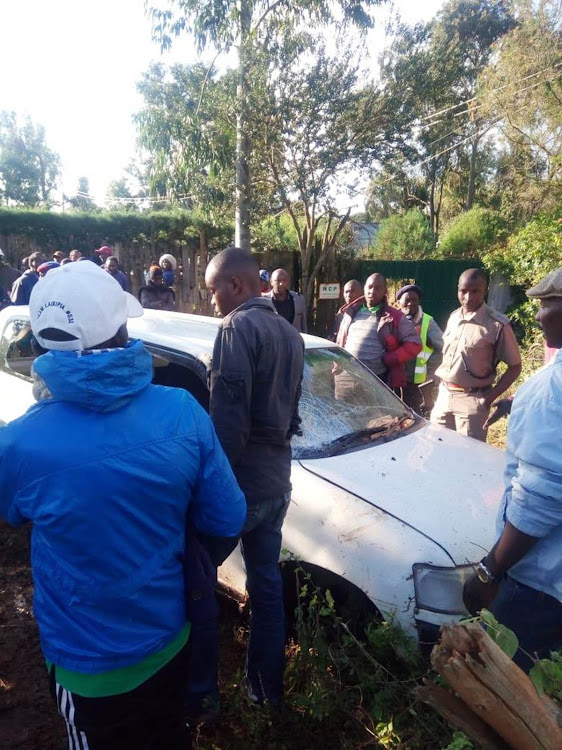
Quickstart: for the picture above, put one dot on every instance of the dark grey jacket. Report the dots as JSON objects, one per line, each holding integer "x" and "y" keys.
{"x": 255, "y": 379}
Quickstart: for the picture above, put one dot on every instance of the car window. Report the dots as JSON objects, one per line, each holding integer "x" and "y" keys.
{"x": 179, "y": 372}
{"x": 340, "y": 396}
{"x": 18, "y": 348}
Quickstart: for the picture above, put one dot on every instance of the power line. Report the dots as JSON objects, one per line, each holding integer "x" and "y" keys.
{"x": 513, "y": 95}
{"x": 493, "y": 91}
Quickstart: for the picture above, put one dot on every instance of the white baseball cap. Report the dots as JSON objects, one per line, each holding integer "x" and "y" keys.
{"x": 81, "y": 301}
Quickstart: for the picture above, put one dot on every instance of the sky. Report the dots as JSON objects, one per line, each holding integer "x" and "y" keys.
{"x": 73, "y": 66}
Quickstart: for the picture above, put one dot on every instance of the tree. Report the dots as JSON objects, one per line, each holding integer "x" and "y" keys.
{"x": 316, "y": 129}
{"x": 522, "y": 90}
{"x": 429, "y": 77}
{"x": 403, "y": 237}
{"x": 244, "y": 23}
{"x": 187, "y": 135}
{"x": 473, "y": 233}
{"x": 82, "y": 200}
{"x": 29, "y": 169}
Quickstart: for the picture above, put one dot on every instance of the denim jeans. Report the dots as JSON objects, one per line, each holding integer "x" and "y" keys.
{"x": 261, "y": 546}
{"x": 534, "y": 617}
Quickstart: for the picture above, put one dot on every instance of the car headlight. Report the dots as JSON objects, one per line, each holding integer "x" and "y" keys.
{"x": 439, "y": 589}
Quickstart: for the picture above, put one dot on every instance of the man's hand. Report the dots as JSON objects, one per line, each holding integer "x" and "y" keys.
{"x": 478, "y": 595}
{"x": 502, "y": 409}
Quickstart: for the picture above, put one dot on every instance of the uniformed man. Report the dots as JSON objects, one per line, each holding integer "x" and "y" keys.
{"x": 476, "y": 340}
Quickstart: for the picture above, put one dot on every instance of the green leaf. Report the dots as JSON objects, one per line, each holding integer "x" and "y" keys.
{"x": 546, "y": 676}
{"x": 502, "y": 636}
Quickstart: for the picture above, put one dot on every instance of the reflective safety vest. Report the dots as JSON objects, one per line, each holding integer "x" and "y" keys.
{"x": 420, "y": 373}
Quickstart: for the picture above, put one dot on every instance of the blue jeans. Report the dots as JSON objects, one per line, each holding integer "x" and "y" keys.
{"x": 261, "y": 546}
{"x": 534, "y": 617}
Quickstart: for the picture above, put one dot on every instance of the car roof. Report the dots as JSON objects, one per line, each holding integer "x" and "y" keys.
{"x": 193, "y": 334}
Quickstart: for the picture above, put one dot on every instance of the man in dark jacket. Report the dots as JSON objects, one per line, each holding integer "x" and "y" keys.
{"x": 290, "y": 305}
{"x": 21, "y": 290}
{"x": 255, "y": 388}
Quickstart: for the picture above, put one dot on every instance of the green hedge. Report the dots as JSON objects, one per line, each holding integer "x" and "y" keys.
{"x": 86, "y": 231}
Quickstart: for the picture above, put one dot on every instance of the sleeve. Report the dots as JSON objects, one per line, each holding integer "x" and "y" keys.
{"x": 218, "y": 504}
{"x": 17, "y": 295}
{"x": 435, "y": 337}
{"x": 435, "y": 340}
{"x": 535, "y": 507}
{"x": 8, "y": 508}
{"x": 408, "y": 344}
{"x": 231, "y": 392}
{"x": 296, "y": 421}
{"x": 508, "y": 349}
{"x": 304, "y": 328}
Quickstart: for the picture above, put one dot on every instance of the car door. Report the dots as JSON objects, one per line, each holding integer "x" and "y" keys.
{"x": 16, "y": 357}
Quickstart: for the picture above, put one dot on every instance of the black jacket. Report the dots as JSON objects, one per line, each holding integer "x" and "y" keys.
{"x": 255, "y": 389}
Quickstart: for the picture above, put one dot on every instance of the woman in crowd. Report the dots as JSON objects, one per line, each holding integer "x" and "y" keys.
{"x": 155, "y": 295}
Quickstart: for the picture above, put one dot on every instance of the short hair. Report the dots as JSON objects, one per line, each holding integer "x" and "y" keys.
{"x": 475, "y": 273}
{"x": 234, "y": 261}
{"x": 112, "y": 257}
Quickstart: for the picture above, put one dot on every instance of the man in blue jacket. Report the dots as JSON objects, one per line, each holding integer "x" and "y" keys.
{"x": 108, "y": 546}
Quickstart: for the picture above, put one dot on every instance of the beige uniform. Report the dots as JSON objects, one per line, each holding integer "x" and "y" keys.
{"x": 474, "y": 344}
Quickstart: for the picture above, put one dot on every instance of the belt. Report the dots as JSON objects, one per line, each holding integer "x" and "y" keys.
{"x": 461, "y": 389}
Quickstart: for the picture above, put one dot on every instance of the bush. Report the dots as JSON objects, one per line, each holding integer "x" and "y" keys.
{"x": 403, "y": 237}
{"x": 530, "y": 254}
{"x": 471, "y": 234}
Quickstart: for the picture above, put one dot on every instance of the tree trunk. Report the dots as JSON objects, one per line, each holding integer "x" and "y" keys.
{"x": 471, "y": 191}
{"x": 242, "y": 200}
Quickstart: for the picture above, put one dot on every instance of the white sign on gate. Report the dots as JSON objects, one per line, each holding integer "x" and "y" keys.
{"x": 329, "y": 291}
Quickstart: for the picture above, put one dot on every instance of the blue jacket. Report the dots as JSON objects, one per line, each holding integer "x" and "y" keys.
{"x": 105, "y": 469}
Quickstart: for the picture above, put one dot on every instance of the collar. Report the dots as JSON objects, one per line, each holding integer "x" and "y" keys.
{"x": 478, "y": 316}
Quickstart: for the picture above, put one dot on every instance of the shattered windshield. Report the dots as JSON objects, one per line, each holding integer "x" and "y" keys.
{"x": 339, "y": 398}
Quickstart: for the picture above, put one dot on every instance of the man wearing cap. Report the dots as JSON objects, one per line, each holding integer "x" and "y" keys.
{"x": 58, "y": 255}
{"x": 44, "y": 268}
{"x": 21, "y": 290}
{"x": 108, "y": 546}
{"x": 520, "y": 580}
{"x": 8, "y": 276}
{"x": 102, "y": 254}
{"x": 421, "y": 369}
{"x": 290, "y": 305}
{"x": 476, "y": 340}
{"x": 265, "y": 287}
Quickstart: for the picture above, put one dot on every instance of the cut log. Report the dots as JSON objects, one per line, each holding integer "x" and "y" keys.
{"x": 494, "y": 690}
{"x": 459, "y": 714}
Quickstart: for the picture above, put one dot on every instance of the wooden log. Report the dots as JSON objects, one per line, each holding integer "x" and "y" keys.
{"x": 495, "y": 669}
{"x": 459, "y": 714}
{"x": 495, "y": 689}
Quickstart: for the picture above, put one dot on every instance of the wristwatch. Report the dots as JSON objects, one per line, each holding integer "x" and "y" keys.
{"x": 485, "y": 575}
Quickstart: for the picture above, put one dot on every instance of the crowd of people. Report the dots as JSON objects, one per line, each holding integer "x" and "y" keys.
{"x": 125, "y": 558}
{"x": 157, "y": 293}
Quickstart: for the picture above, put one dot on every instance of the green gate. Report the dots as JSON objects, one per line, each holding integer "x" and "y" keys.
{"x": 437, "y": 278}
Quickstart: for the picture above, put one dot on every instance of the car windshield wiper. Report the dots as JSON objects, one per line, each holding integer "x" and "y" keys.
{"x": 375, "y": 431}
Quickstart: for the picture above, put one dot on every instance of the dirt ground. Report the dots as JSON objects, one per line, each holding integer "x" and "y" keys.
{"x": 28, "y": 717}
